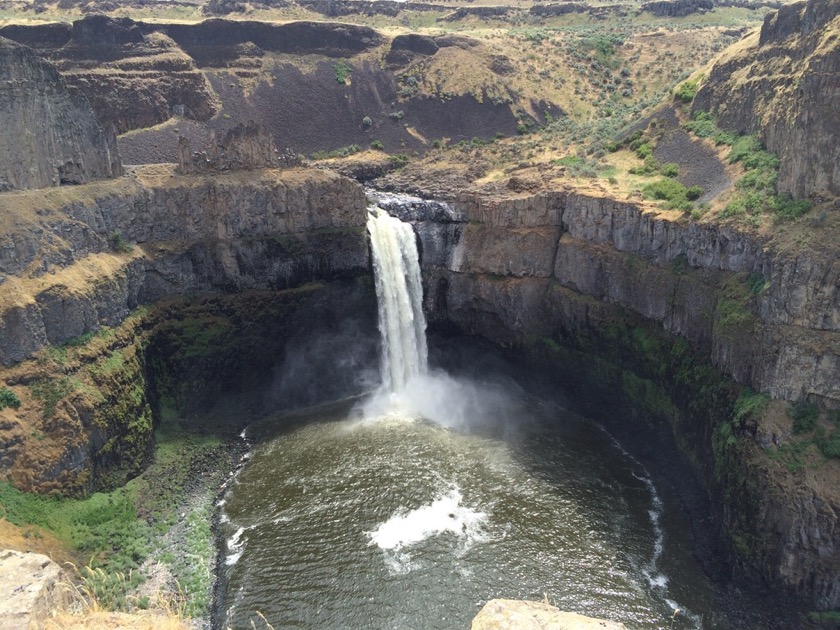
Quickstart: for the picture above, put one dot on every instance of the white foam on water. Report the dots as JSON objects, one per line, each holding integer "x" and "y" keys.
{"x": 236, "y": 547}
{"x": 446, "y": 514}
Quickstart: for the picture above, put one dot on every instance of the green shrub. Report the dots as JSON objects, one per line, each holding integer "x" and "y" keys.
{"x": 787, "y": 209}
{"x": 400, "y": 159}
{"x": 830, "y": 447}
{"x": 750, "y": 152}
{"x": 804, "y": 416}
{"x": 337, "y": 153}
{"x": 50, "y": 392}
{"x": 377, "y": 145}
{"x": 342, "y": 72}
{"x": 397, "y": 115}
{"x": 703, "y": 125}
{"x": 644, "y": 150}
{"x": 119, "y": 243}
{"x": 756, "y": 283}
{"x": 670, "y": 169}
{"x": 669, "y": 190}
{"x": 366, "y": 121}
{"x": 693, "y": 193}
{"x": 9, "y": 399}
{"x": 750, "y": 404}
{"x": 687, "y": 91}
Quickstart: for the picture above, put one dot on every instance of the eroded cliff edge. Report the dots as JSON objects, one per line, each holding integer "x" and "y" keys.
{"x": 68, "y": 145}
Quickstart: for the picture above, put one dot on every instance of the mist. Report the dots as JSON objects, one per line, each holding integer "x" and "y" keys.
{"x": 328, "y": 365}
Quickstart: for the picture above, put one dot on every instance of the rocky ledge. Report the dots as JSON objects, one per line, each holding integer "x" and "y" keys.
{"x": 782, "y": 84}
{"x": 78, "y": 259}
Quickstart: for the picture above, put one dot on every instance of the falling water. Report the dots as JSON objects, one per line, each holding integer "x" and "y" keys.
{"x": 399, "y": 292}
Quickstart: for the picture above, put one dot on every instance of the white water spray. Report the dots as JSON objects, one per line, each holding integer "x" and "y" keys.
{"x": 399, "y": 292}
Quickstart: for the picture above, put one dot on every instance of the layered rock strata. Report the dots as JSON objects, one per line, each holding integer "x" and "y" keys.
{"x": 81, "y": 266}
{"x": 67, "y": 274}
{"x": 132, "y": 79}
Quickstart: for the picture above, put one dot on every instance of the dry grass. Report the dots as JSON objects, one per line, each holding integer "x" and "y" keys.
{"x": 85, "y": 613}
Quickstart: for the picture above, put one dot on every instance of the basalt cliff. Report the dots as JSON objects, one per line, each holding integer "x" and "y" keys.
{"x": 161, "y": 287}
{"x": 64, "y": 141}
{"x": 782, "y": 83}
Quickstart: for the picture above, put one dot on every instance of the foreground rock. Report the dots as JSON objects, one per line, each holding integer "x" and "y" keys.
{"x": 72, "y": 147}
{"x": 31, "y": 587}
{"x": 512, "y": 614}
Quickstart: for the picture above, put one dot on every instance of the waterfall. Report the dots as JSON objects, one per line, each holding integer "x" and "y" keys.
{"x": 399, "y": 293}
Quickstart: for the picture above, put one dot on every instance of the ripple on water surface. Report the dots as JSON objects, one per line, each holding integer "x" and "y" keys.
{"x": 395, "y": 524}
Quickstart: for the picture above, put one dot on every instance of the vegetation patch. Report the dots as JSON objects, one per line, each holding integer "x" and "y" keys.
{"x": 113, "y": 533}
{"x": 687, "y": 91}
{"x": 49, "y": 392}
{"x": 756, "y": 192}
{"x": 337, "y": 153}
{"x": 342, "y": 72}
{"x": 678, "y": 196}
{"x": 805, "y": 415}
{"x": 8, "y": 399}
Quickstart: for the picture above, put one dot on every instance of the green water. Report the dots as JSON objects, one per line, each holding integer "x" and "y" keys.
{"x": 394, "y": 523}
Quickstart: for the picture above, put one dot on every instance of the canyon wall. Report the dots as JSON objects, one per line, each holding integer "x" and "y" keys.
{"x": 113, "y": 291}
{"x": 647, "y": 319}
{"x": 782, "y": 85}
{"x": 71, "y": 146}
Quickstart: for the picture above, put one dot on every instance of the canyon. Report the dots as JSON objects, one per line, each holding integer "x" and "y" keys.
{"x": 145, "y": 288}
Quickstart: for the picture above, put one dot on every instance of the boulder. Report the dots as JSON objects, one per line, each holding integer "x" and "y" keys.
{"x": 512, "y": 614}
{"x": 31, "y": 587}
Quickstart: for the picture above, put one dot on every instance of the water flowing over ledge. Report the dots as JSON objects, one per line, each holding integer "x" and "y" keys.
{"x": 399, "y": 291}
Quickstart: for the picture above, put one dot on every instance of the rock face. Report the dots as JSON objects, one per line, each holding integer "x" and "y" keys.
{"x": 644, "y": 306}
{"x": 31, "y": 587}
{"x": 214, "y": 75}
{"x": 677, "y": 8}
{"x": 511, "y": 614}
{"x": 241, "y": 230}
{"x": 35, "y": 104}
{"x": 784, "y": 84}
{"x": 246, "y": 146}
{"x": 132, "y": 78}
{"x": 275, "y": 250}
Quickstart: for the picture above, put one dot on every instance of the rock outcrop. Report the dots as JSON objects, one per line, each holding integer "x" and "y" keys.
{"x": 74, "y": 264}
{"x": 512, "y": 614}
{"x": 246, "y": 146}
{"x": 51, "y": 136}
{"x": 131, "y": 78}
{"x": 782, "y": 84}
{"x": 677, "y": 8}
{"x": 31, "y": 588}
